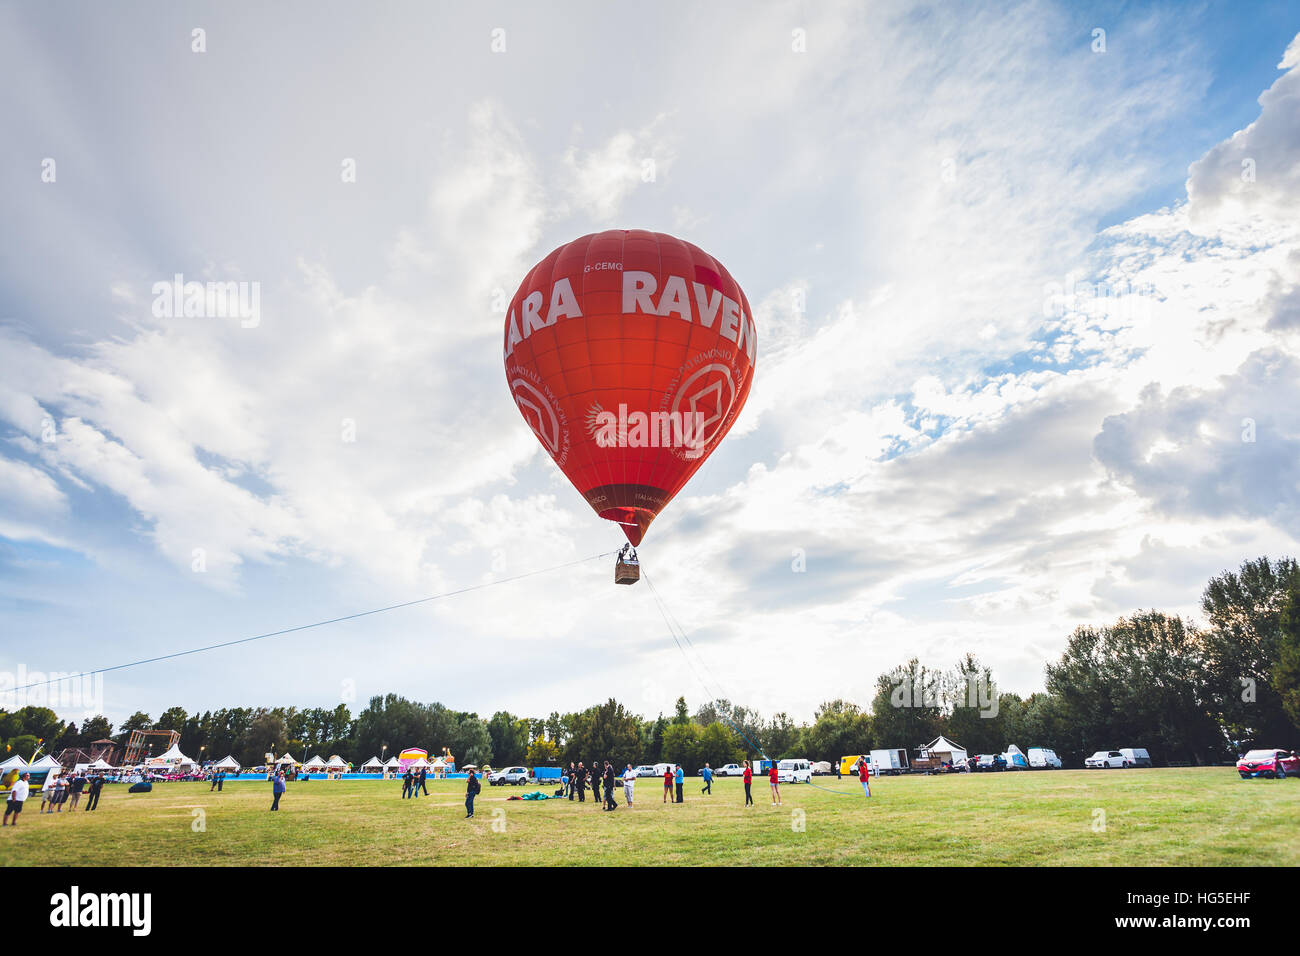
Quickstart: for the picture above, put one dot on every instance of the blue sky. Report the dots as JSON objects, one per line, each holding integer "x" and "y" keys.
{"x": 961, "y": 468}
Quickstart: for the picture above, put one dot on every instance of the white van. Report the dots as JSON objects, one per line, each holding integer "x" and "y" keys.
{"x": 1041, "y": 758}
{"x": 1135, "y": 757}
{"x": 663, "y": 768}
{"x": 794, "y": 771}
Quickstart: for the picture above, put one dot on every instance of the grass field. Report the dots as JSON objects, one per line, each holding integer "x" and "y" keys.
{"x": 1193, "y": 816}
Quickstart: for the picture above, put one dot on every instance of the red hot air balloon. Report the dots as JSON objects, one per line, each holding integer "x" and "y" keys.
{"x": 629, "y": 354}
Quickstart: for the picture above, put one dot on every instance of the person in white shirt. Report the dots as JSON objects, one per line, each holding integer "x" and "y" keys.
{"x": 629, "y": 778}
{"x": 17, "y": 796}
{"x": 48, "y": 789}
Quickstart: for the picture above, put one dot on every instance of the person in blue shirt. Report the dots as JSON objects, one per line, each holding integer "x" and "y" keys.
{"x": 278, "y": 788}
{"x": 679, "y": 777}
{"x": 707, "y": 776}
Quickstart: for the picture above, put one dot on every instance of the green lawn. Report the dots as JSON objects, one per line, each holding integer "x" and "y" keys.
{"x": 1194, "y": 816}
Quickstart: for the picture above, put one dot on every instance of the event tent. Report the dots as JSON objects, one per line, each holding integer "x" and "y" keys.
{"x": 315, "y": 763}
{"x": 226, "y": 763}
{"x": 288, "y": 758}
{"x": 945, "y": 750}
{"x": 171, "y": 758}
{"x": 13, "y": 763}
{"x": 393, "y": 763}
{"x": 45, "y": 763}
{"x": 336, "y": 763}
{"x": 374, "y": 762}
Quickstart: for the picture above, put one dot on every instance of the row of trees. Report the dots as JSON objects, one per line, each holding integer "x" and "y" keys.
{"x": 1186, "y": 693}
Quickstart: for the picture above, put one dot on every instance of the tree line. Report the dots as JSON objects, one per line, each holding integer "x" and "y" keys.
{"x": 1187, "y": 693}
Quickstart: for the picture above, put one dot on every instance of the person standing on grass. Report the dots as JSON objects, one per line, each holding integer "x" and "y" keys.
{"x": 278, "y": 786}
{"x": 679, "y": 777}
{"x": 96, "y": 785}
{"x": 610, "y": 802}
{"x": 61, "y": 794}
{"x": 668, "y": 784}
{"x": 580, "y": 781}
{"x": 564, "y": 784}
{"x": 629, "y": 780}
{"x": 78, "y": 784}
{"x": 864, "y": 776}
{"x": 774, "y": 781}
{"x": 48, "y": 790}
{"x": 406, "y": 784}
{"x": 472, "y": 787}
{"x": 749, "y": 780}
{"x": 17, "y": 797}
{"x": 707, "y": 776}
{"x": 423, "y": 776}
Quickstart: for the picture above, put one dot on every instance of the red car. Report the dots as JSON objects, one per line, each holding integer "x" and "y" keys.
{"x": 1268, "y": 763}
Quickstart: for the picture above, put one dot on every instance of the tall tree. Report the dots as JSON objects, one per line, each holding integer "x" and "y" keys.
{"x": 1244, "y": 610}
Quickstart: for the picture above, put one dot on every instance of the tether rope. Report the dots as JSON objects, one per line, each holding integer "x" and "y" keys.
{"x": 304, "y": 627}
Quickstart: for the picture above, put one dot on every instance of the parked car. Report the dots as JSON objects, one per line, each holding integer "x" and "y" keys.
{"x": 1135, "y": 757}
{"x": 1041, "y": 758}
{"x": 1268, "y": 763}
{"x": 645, "y": 770}
{"x": 796, "y": 770}
{"x": 515, "y": 776}
{"x": 1105, "y": 760}
{"x": 991, "y": 762}
{"x": 730, "y": 770}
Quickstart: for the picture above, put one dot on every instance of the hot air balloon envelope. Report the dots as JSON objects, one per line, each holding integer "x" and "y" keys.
{"x": 629, "y": 354}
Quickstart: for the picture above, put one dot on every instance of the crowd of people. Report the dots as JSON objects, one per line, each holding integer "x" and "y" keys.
{"x": 57, "y": 792}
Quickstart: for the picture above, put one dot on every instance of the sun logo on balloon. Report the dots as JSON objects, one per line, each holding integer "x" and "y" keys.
{"x": 599, "y": 424}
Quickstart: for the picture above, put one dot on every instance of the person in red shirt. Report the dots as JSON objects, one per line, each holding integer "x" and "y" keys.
{"x": 668, "y": 785}
{"x": 775, "y": 783}
{"x": 864, "y": 775}
{"x": 749, "y": 779}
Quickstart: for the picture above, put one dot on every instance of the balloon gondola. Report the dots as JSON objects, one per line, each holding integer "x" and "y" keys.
{"x": 630, "y": 355}
{"x": 627, "y": 567}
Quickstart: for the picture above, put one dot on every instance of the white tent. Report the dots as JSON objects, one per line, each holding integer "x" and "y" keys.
{"x": 226, "y": 763}
{"x": 337, "y": 763}
{"x": 100, "y": 764}
{"x": 417, "y": 764}
{"x": 374, "y": 762}
{"x": 13, "y": 763}
{"x": 288, "y": 758}
{"x": 394, "y": 763}
{"x": 46, "y": 763}
{"x": 172, "y": 758}
{"x": 315, "y": 763}
{"x": 945, "y": 749}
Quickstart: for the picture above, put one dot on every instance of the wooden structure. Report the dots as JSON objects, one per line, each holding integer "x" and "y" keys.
{"x": 138, "y": 746}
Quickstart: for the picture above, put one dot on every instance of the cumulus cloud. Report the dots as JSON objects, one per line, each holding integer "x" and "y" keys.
{"x": 1254, "y": 175}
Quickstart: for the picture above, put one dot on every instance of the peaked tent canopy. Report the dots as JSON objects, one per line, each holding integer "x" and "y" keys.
{"x": 45, "y": 763}
{"x": 227, "y": 763}
{"x": 316, "y": 761}
{"x": 942, "y": 745}
{"x": 336, "y": 763}
{"x": 13, "y": 763}
{"x": 372, "y": 762}
{"x": 172, "y": 756}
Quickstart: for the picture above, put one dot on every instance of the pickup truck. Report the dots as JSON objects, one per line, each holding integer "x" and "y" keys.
{"x": 515, "y": 776}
